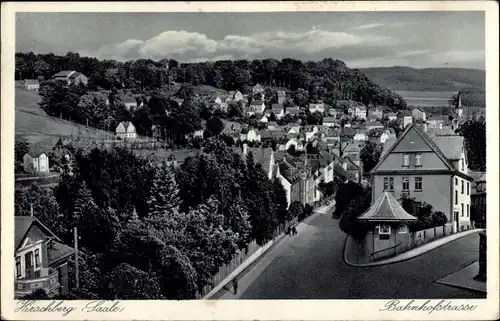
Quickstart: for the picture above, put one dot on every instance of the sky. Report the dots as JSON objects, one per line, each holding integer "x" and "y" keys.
{"x": 361, "y": 39}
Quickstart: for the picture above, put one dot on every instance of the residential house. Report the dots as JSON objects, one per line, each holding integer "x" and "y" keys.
{"x": 316, "y": 107}
{"x": 256, "y": 107}
{"x": 281, "y": 96}
{"x": 431, "y": 169}
{"x": 309, "y": 131}
{"x": 360, "y": 112}
{"x": 41, "y": 259}
{"x": 71, "y": 77}
{"x": 36, "y": 161}
{"x": 290, "y": 178}
{"x": 378, "y": 136}
{"x": 262, "y": 156}
{"x": 31, "y": 84}
{"x": 286, "y": 143}
{"x": 374, "y": 125}
{"x": 478, "y": 202}
{"x": 360, "y": 137}
{"x": 234, "y": 96}
{"x": 131, "y": 102}
{"x": 329, "y": 121}
{"x": 405, "y": 118}
{"x": 250, "y": 134}
{"x": 272, "y": 125}
{"x": 418, "y": 115}
{"x": 263, "y": 119}
{"x": 352, "y": 165}
{"x": 391, "y": 116}
{"x": 335, "y": 112}
{"x": 126, "y": 130}
{"x": 437, "y": 121}
{"x": 278, "y": 110}
{"x": 258, "y": 89}
{"x": 292, "y": 110}
{"x": 376, "y": 114}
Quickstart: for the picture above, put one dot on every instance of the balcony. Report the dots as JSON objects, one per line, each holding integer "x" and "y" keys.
{"x": 44, "y": 278}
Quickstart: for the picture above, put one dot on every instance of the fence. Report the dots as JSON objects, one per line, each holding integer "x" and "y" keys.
{"x": 244, "y": 257}
{"x": 364, "y": 251}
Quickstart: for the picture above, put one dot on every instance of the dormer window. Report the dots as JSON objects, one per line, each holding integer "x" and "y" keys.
{"x": 406, "y": 160}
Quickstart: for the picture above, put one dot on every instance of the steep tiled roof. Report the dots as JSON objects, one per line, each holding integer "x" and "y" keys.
{"x": 386, "y": 209}
{"x": 451, "y": 146}
{"x": 22, "y": 224}
{"x": 74, "y": 75}
{"x": 64, "y": 73}
{"x": 290, "y": 173}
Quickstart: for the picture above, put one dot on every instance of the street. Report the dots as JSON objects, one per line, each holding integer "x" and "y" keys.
{"x": 310, "y": 265}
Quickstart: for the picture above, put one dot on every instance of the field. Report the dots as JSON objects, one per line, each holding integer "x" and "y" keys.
{"x": 33, "y": 124}
{"x": 428, "y": 79}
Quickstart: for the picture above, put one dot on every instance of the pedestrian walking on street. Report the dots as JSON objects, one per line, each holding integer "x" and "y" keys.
{"x": 294, "y": 230}
{"x": 289, "y": 231}
{"x": 235, "y": 286}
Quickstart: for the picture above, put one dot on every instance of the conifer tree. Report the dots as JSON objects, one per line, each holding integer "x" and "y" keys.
{"x": 164, "y": 193}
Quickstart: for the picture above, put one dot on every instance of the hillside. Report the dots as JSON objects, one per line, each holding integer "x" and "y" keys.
{"x": 33, "y": 124}
{"x": 428, "y": 79}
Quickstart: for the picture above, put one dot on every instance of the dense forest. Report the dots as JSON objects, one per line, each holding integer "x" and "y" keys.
{"x": 427, "y": 79}
{"x": 328, "y": 80}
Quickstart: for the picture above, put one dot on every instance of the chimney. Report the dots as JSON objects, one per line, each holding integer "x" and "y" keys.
{"x": 245, "y": 149}
{"x": 440, "y": 125}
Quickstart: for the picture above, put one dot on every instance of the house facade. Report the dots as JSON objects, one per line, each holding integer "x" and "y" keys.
{"x": 316, "y": 107}
{"x": 37, "y": 162}
{"x": 432, "y": 170}
{"x": 126, "y": 130}
{"x": 41, "y": 259}
{"x": 71, "y": 77}
{"x": 31, "y": 84}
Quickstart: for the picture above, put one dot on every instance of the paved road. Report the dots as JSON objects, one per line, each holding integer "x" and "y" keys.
{"x": 310, "y": 265}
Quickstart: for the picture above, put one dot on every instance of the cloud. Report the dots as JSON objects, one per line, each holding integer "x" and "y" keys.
{"x": 192, "y": 46}
{"x": 370, "y": 26}
{"x": 413, "y": 53}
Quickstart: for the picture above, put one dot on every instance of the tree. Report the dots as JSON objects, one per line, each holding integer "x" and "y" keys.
{"x": 474, "y": 133}
{"x": 215, "y": 126}
{"x": 126, "y": 282}
{"x": 370, "y": 155}
{"x": 296, "y": 209}
{"x": 280, "y": 201}
{"x": 21, "y": 148}
{"x": 164, "y": 193}
{"x": 355, "y": 207}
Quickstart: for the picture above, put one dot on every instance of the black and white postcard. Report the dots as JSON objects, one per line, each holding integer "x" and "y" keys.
{"x": 250, "y": 161}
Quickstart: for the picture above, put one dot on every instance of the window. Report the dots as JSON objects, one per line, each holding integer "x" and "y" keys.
{"x": 402, "y": 229}
{"x": 462, "y": 189}
{"x": 468, "y": 209}
{"x": 37, "y": 258}
{"x": 468, "y": 188}
{"x": 391, "y": 184}
{"x": 463, "y": 164}
{"x": 418, "y": 183}
{"x": 386, "y": 183}
{"x": 18, "y": 266}
{"x": 384, "y": 231}
{"x": 462, "y": 209}
{"x": 406, "y": 160}
{"x": 418, "y": 160}
{"x": 406, "y": 184}
{"x": 456, "y": 181}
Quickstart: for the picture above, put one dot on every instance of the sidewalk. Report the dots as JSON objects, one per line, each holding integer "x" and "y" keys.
{"x": 249, "y": 272}
{"x": 465, "y": 279}
{"x": 417, "y": 251}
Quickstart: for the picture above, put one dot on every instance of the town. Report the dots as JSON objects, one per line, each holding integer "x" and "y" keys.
{"x": 165, "y": 180}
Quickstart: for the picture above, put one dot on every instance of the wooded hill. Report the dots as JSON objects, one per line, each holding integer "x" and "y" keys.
{"x": 428, "y": 79}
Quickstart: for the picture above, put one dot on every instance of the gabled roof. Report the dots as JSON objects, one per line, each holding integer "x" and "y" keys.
{"x": 451, "y": 146}
{"x": 74, "y": 75}
{"x": 277, "y": 107}
{"x": 64, "y": 73}
{"x": 386, "y": 209}
{"x": 427, "y": 139}
{"x": 256, "y": 102}
{"x": 22, "y": 225}
{"x": 289, "y": 172}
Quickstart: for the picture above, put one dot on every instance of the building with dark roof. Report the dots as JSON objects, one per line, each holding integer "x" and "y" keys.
{"x": 41, "y": 259}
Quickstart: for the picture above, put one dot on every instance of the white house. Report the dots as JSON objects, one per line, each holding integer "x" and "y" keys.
{"x": 418, "y": 114}
{"x": 310, "y": 131}
{"x": 256, "y": 107}
{"x": 130, "y": 102}
{"x": 391, "y": 116}
{"x": 71, "y": 77}
{"x": 36, "y": 162}
{"x": 251, "y": 135}
{"x": 316, "y": 107}
{"x": 263, "y": 119}
{"x": 31, "y": 84}
{"x": 360, "y": 137}
{"x": 329, "y": 121}
{"x": 278, "y": 110}
{"x": 360, "y": 112}
{"x": 126, "y": 130}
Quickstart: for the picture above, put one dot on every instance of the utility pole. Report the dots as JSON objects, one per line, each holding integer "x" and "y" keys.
{"x": 77, "y": 272}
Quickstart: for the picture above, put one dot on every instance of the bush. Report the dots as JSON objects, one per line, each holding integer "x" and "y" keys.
{"x": 439, "y": 218}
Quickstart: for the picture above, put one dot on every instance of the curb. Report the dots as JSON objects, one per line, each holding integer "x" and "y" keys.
{"x": 395, "y": 259}
{"x": 458, "y": 286}
{"x": 243, "y": 266}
